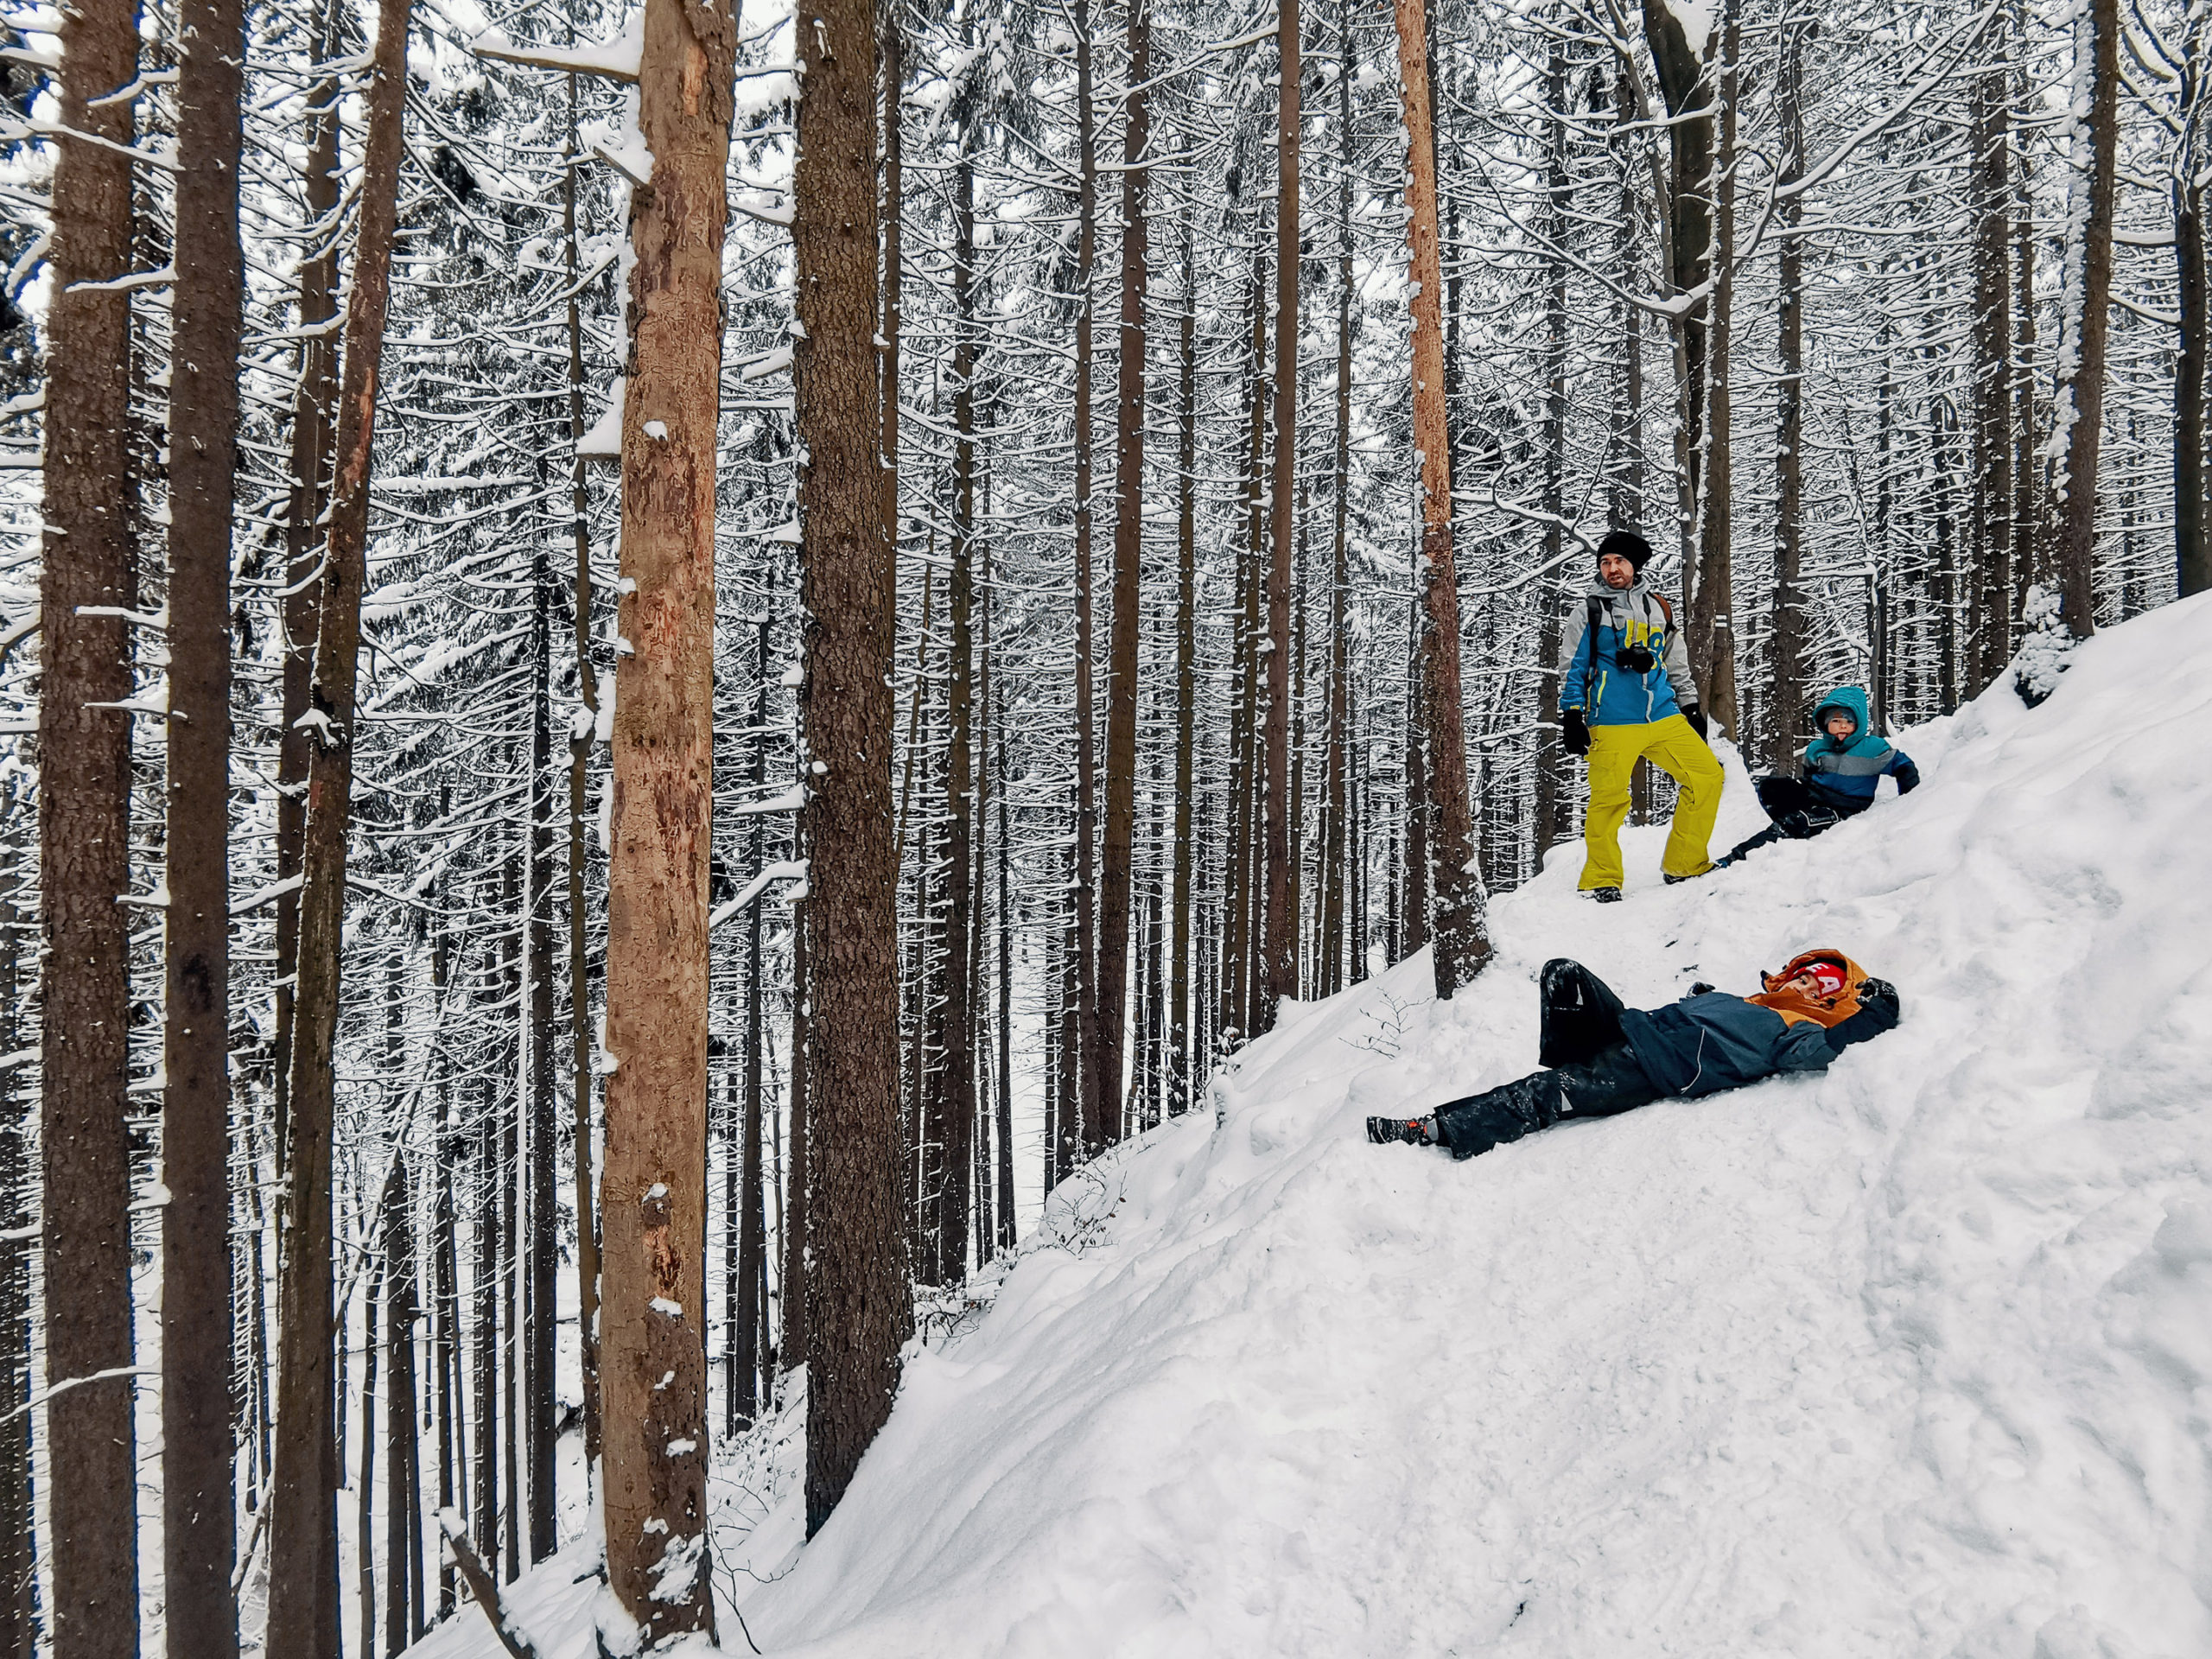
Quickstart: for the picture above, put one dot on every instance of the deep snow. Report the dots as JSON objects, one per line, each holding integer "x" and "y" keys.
{"x": 1910, "y": 1358}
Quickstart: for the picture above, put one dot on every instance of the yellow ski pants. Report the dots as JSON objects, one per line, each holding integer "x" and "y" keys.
{"x": 1674, "y": 746}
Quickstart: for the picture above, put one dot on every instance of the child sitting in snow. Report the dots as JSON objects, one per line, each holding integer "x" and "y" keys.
{"x": 1842, "y": 765}
{"x": 1600, "y": 1058}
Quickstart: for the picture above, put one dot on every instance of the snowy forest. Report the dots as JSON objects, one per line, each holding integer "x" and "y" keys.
{"x": 659, "y": 664}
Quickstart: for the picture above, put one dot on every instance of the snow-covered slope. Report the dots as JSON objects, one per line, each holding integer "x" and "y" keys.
{"x": 1911, "y": 1358}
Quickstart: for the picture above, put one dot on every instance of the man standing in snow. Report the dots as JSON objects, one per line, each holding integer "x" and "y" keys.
{"x": 1842, "y": 764}
{"x": 1601, "y": 1059}
{"x": 1626, "y": 695}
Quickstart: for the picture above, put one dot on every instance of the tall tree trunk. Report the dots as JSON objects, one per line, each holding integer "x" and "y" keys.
{"x": 199, "y": 1534}
{"x": 445, "y": 1287}
{"x": 959, "y": 1055}
{"x": 543, "y": 1262}
{"x": 19, "y": 1630}
{"x": 1130, "y": 400}
{"x": 1711, "y": 599}
{"x": 1090, "y": 1091}
{"x": 1558, "y": 186}
{"x": 84, "y": 825}
{"x": 2192, "y": 532}
{"x": 303, "y": 1620}
{"x": 894, "y": 154}
{"x": 858, "y": 1311}
{"x": 1412, "y": 892}
{"x": 1461, "y": 944}
{"x": 751, "y": 1232}
{"x": 402, "y": 1618}
{"x": 1180, "y": 996}
{"x": 652, "y": 1319}
{"x": 2081, "y": 392}
{"x": 315, "y": 430}
{"x": 1786, "y": 699}
{"x": 1005, "y": 1138}
{"x": 582, "y": 734}
{"x": 1991, "y": 164}
{"x": 1687, "y": 212}
{"x": 1329, "y": 964}
{"x": 793, "y": 1340}
{"x": 1279, "y": 938}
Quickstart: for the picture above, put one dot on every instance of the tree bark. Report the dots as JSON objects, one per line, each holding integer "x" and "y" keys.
{"x": 581, "y": 735}
{"x": 542, "y": 1264}
{"x": 1461, "y": 946}
{"x": 1688, "y": 214}
{"x": 2081, "y": 392}
{"x": 84, "y": 823}
{"x": 302, "y": 1530}
{"x": 1786, "y": 699}
{"x": 1329, "y": 964}
{"x": 315, "y": 429}
{"x": 2192, "y": 532}
{"x": 652, "y": 1318}
{"x": 859, "y": 1313}
{"x": 1712, "y": 599}
{"x": 752, "y": 1231}
{"x": 1090, "y": 1091}
{"x": 1180, "y": 996}
{"x": 958, "y": 1052}
{"x": 19, "y": 1631}
{"x": 1279, "y": 935}
{"x": 1130, "y": 399}
{"x": 199, "y": 1533}
{"x": 1558, "y": 191}
{"x": 1991, "y": 164}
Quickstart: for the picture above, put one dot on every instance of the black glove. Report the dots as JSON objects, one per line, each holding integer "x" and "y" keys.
{"x": 1908, "y": 775}
{"x": 1695, "y": 715}
{"x": 1878, "y": 1013}
{"x": 1574, "y": 735}
{"x": 1698, "y": 987}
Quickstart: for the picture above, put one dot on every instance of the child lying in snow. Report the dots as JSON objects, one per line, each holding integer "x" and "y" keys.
{"x": 1842, "y": 765}
{"x": 1600, "y": 1058}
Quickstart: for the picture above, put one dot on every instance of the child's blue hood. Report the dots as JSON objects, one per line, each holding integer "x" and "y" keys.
{"x": 1852, "y": 702}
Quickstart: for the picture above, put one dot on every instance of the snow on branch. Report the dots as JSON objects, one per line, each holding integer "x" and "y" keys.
{"x": 617, "y": 60}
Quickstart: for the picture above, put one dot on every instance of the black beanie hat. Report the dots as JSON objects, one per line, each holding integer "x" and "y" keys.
{"x": 1630, "y": 545}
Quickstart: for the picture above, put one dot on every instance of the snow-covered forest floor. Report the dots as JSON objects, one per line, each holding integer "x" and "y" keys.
{"x": 1907, "y": 1358}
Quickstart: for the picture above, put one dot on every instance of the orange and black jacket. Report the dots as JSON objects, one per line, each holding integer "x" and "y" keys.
{"x": 1712, "y": 1042}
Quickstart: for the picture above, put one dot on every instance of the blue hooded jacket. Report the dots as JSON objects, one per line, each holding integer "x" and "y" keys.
{"x": 1594, "y": 679}
{"x": 1846, "y": 772}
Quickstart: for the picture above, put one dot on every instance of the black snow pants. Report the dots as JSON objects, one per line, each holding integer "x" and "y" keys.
{"x": 1589, "y": 1070}
{"x": 1798, "y": 811}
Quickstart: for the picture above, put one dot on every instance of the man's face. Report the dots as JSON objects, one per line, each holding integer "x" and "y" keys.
{"x": 1617, "y": 572}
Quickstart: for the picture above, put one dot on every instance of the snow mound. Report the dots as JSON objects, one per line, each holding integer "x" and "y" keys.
{"x": 1914, "y": 1358}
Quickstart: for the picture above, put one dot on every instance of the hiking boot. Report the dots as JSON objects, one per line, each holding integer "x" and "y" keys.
{"x": 1676, "y": 881}
{"x": 1606, "y": 895}
{"x": 1388, "y": 1131}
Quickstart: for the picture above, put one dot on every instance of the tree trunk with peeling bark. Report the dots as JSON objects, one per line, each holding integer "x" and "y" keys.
{"x": 653, "y": 1191}
{"x": 1461, "y": 945}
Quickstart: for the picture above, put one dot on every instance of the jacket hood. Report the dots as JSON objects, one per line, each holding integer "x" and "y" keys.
{"x": 1599, "y": 589}
{"x": 1794, "y": 1006}
{"x": 1852, "y": 702}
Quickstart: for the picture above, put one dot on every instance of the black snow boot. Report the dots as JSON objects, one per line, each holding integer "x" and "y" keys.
{"x": 1389, "y": 1131}
{"x": 1604, "y": 895}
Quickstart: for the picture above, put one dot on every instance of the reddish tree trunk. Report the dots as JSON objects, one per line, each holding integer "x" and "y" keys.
{"x": 653, "y": 1192}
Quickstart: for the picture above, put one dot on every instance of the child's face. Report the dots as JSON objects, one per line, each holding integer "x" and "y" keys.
{"x": 1841, "y": 724}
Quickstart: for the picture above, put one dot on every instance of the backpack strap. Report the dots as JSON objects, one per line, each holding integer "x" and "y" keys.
{"x": 1667, "y": 610}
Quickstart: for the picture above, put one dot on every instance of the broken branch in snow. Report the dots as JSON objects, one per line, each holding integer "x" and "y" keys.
{"x": 481, "y": 1586}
